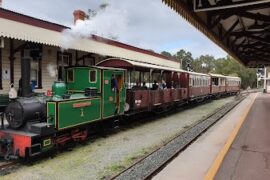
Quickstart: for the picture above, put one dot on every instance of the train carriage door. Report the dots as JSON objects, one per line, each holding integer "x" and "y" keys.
{"x": 113, "y": 93}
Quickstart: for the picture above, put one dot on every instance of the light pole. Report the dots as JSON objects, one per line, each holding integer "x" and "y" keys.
{"x": 264, "y": 84}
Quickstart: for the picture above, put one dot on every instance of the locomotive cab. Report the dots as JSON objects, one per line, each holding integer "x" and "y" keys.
{"x": 92, "y": 94}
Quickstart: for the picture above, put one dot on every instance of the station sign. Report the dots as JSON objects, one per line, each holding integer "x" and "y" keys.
{"x": 209, "y": 5}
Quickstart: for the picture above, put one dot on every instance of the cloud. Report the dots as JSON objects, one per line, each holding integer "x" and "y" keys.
{"x": 150, "y": 24}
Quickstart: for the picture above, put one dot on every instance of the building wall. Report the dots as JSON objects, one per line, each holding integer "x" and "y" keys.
{"x": 6, "y": 66}
{"x": 49, "y": 57}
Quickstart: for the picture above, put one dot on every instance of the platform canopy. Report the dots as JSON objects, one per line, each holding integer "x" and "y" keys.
{"x": 240, "y": 27}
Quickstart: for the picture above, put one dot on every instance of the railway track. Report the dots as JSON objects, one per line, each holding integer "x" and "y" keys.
{"x": 7, "y": 164}
{"x": 6, "y": 167}
{"x": 154, "y": 162}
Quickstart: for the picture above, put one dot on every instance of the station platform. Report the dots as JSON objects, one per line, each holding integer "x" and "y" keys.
{"x": 249, "y": 155}
{"x": 237, "y": 147}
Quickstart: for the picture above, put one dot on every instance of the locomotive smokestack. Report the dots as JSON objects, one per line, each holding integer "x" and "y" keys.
{"x": 25, "y": 80}
{"x": 78, "y": 15}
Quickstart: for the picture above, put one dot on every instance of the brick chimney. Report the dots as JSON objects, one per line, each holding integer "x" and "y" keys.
{"x": 78, "y": 14}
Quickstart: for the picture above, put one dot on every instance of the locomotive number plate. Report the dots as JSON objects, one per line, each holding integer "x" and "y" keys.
{"x": 80, "y": 105}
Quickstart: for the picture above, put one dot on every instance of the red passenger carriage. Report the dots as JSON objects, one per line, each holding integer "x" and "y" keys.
{"x": 151, "y": 86}
{"x": 199, "y": 86}
{"x": 233, "y": 85}
{"x": 218, "y": 85}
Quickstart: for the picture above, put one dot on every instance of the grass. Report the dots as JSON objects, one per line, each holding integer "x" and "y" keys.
{"x": 186, "y": 126}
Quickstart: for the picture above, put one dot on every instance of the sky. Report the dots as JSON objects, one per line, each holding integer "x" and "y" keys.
{"x": 148, "y": 24}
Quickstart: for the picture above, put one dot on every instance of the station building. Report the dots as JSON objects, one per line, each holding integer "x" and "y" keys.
{"x": 25, "y": 36}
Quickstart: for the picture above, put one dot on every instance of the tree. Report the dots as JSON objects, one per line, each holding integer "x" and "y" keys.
{"x": 185, "y": 58}
{"x": 204, "y": 64}
{"x": 229, "y": 66}
{"x": 167, "y": 54}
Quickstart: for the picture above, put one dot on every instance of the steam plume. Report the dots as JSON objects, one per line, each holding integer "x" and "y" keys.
{"x": 52, "y": 70}
{"x": 107, "y": 21}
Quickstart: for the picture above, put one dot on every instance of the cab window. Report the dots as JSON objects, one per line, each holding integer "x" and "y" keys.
{"x": 92, "y": 76}
{"x": 70, "y": 75}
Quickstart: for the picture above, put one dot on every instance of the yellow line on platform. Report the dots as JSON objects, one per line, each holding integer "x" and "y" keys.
{"x": 220, "y": 157}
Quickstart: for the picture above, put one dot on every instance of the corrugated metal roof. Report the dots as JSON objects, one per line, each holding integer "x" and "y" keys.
{"x": 217, "y": 75}
{"x": 223, "y": 76}
{"x": 200, "y": 74}
{"x": 144, "y": 65}
{"x": 37, "y": 32}
{"x": 159, "y": 67}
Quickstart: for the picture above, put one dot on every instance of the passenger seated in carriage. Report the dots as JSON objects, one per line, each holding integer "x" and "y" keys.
{"x": 174, "y": 85}
{"x": 137, "y": 86}
{"x": 144, "y": 87}
{"x": 155, "y": 85}
{"x": 169, "y": 85}
{"x": 162, "y": 85}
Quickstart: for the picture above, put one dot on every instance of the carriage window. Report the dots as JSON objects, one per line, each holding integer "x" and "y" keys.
{"x": 215, "y": 81}
{"x": 136, "y": 77}
{"x": 146, "y": 79}
{"x": 70, "y": 75}
{"x": 92, "y": 76}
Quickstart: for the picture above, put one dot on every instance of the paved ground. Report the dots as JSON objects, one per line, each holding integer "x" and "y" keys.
{"x": 107, "y": 156}
{"x": 249, "y": 155}
{"x": 194, "y": 162}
